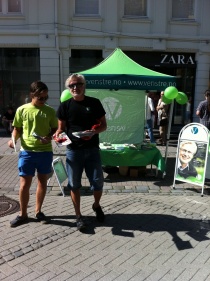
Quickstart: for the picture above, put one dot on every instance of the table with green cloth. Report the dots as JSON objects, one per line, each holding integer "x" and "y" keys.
{"x": 120, "y": 155}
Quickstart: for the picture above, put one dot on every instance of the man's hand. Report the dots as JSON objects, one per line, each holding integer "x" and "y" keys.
{"x": 10, "y": 144}
{"x": 45, "y": 140}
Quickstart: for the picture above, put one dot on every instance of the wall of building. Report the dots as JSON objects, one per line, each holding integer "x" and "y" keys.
{"x": 52, "y": 26}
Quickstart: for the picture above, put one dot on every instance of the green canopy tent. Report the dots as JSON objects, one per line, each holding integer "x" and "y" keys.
{"x": 120, "y": 84}
{"x": 118, "y": 71}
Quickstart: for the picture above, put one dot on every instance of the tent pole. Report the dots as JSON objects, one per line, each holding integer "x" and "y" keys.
{"x": 168, "y": 131}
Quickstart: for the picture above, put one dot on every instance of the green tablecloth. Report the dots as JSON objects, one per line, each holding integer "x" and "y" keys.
{"x": 129, "y": 156}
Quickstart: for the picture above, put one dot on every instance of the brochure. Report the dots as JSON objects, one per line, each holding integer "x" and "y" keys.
{"x": 62, "y": 139}
{"x": 83, "y": 134}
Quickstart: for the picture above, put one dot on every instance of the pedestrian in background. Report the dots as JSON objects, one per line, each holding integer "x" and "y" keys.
{"x": 188, "y": 111}
{"x": 7, "y": 119}
{"x": 36, "y": 154}
{"x": 163, "y": 110}
{"x": 203, "y": 110}
{"x": 149, "y": 120}
{"x": 86, "y": 114}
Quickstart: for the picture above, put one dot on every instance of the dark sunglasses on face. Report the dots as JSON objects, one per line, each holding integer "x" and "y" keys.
{"x": 79, "y": 84}
{"x": 42, "y": 98}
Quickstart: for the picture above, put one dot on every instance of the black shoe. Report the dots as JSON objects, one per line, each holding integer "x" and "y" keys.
{"x": 18, "y": 221}
{"x": 42, "y": 218}
{"x": 99, "y": 213}
{"x": 80, "y": 223}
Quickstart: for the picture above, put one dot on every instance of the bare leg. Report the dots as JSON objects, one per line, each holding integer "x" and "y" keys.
{"x": 41, "y": 191}
{"x": 75, "y": 196}
{"x": 97, "y": 196}
{"x": 25, "y": 183}
{"x": 161, "y": 133}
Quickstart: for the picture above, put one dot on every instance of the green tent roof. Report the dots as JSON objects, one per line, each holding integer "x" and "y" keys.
{"x": 118, "y": 71}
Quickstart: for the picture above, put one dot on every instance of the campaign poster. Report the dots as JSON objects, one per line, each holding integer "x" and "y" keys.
{"x": 192, "y": 152}
{"x": 191, "y": 162}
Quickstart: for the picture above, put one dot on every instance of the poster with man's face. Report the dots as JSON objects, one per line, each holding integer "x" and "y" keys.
{"x": 190, "y": 164}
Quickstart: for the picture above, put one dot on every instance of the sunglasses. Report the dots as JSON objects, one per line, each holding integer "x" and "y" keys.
{"x": 42, "y": 98}
{"x": 79, "y": 84}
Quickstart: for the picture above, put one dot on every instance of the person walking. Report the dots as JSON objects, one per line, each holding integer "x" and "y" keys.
{"x": 87, "y": 115}
{"x": 149, "y": 121}
{"x": 35, "y": 153}
{"x": 162, "y": 109}
{"x": 203, "y": 110}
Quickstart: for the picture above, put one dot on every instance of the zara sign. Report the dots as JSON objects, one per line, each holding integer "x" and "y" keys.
{"x": 185, "y": 59}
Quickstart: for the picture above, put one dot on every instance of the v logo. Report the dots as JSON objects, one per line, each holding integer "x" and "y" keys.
{"x": 112, "y": 107}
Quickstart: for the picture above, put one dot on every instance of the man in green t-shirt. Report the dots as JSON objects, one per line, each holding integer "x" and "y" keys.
{"x": 34, "y": 124}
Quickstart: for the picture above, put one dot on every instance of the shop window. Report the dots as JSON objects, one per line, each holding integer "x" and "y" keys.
{"x": 135, "y": 8}
{"x": 87, "y": 7}
{"x": 183, "y": 9}
{"x": 84, "y": 59}
{"x": 19, "y": 67}
{"x": 11, "y": 6}
{"x": 14, "y": 6}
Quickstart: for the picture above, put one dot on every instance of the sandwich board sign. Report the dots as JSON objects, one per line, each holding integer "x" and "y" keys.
{"x": 192, "y": 153}
{"x": 60, "y": 173}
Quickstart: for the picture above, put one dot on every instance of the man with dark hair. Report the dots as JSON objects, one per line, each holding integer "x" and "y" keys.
{"x": 36, "y": 152}
{"x": 203, "y": 110}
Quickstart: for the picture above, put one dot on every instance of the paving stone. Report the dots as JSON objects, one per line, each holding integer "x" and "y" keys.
{"x": 18, "y": 254}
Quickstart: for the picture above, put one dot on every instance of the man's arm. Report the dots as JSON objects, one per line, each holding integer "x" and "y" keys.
{"x": 197, "y": 112}
{"x": 61, "y": 127}
{"x": 102, "y": 127}
{"x": 16, "y": 134}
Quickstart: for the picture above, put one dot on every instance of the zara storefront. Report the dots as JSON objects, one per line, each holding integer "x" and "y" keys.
{"x": 182, "y": 65}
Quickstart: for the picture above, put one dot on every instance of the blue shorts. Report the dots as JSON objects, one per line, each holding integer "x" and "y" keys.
{"x": 88, "y": 160}
{"x": 29, "y": 162}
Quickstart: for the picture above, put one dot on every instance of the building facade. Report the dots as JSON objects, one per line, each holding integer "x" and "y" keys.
{"x": 49, "y": 39}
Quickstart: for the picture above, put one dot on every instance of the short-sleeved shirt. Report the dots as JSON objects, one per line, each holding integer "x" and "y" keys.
{"x": 38, "y": 119}
{"x": 81, "y": 116}
{"x": 204, "y": 113}
{"x": 150, "y": 108}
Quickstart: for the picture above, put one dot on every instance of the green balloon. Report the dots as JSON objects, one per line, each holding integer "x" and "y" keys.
{"x": 171, "y": 92}
{"x": 181, "y": 98}
{"x": 166, "y": 100}
{"x": 65, "y": 95}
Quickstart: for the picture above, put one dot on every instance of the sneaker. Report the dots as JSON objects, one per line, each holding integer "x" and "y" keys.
{"x": 80, "y": 223}
{"x": 18, "y": 221}
{"x": 42, "y": 218}
{"x": 99, "y": 213}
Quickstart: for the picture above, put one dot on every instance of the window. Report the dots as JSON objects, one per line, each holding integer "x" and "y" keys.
{"x": 84, "y": 59}
{"x": 135, "y": 8}
{"x": 11, "y": 6}
{"x": 87, "y": 7}
{"x": 18, "y": 68}
{"x": 14, "y": 6}
{"x": 183, "y": 9}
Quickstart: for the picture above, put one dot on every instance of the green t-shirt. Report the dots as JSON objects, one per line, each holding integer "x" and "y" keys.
{"x": 38, "y": 119}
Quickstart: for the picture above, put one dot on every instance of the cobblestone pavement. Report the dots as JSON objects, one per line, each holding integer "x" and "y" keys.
{"x": 151, "y": 231}
{"x": 144, "y": 237}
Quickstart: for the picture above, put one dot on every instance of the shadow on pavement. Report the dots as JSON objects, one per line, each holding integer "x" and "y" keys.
{"x": 125, "y": 224}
